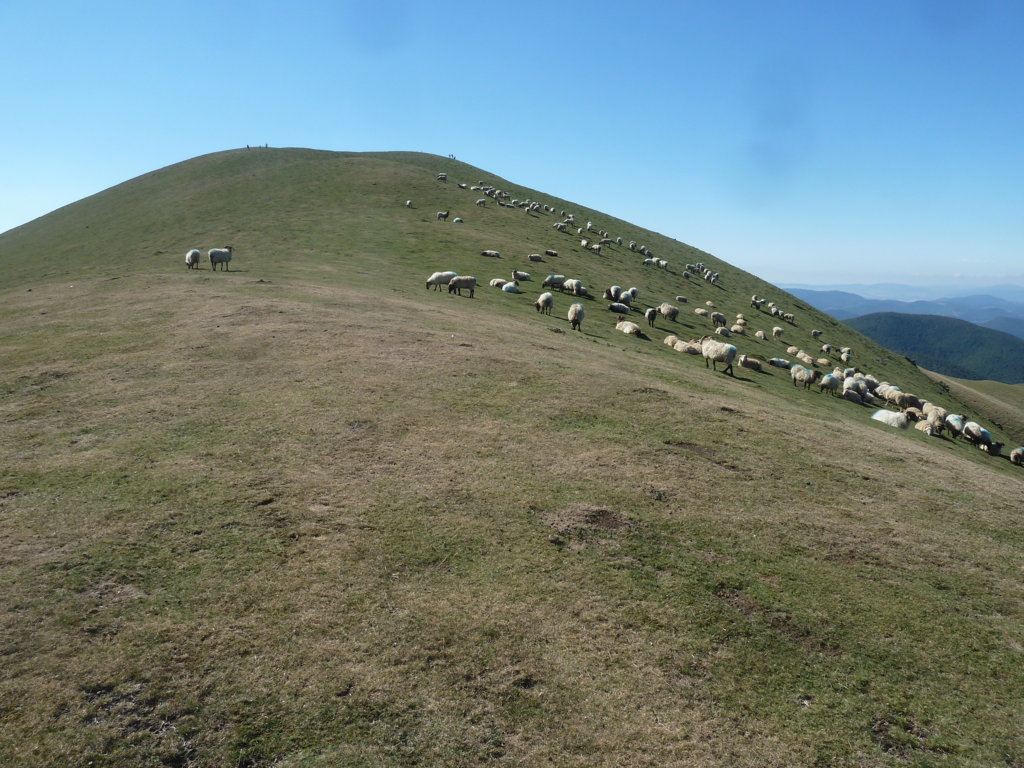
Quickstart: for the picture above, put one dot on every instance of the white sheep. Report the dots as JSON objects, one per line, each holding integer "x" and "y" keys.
{"x": 671, "y": 339}
{"x": 440, "y": 278}
{"x": 576, "y": 316}
{"x": 575, "y": 286}
{"x": 749, "y": 362}
{"x": 498, "y": 282}
{"x": 669, "y": 311}
{"x": 511, "y": 287}
{"x": 457, "y": 283}
{"x": 521, "y": 276}
{"x": 482, "y": 202}
{"x": 761, "y": 335}
{"x": 690, "y": 347}
{"x": 553, "y": 281}
{"x": 1017, "y": 456}
{"x": 220, "y": 256}
{"x": 619, "y": 308}
{"x": 717, "y": 352}
{"x": 545, "y": 302}
{"x": 491, "y": 254}
{"x": 829, "y": 382}
{"x": 776, "y": 332}
{"x": 192, "y": 258}
{"x": 892, "y": 418}
{"x": 805, "y": 376}
{"x": 408, "y": 203}
{"x": 627, "y": 327}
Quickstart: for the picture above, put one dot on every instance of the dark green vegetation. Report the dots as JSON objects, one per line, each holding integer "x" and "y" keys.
{"x": 308, "y": 513}
{"x": 946, "y": 345}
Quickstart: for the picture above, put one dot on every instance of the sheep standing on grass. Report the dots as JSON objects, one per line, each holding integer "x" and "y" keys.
{"x": 443, "y": 215}
{"x": 651, "y": 314}
{"x": 440, "y": 278}
{"x": 576, "y": 316}
{"x": 805, "y": 376}
{"x": 669, "y": 311}
{"x": 776, "y": 332}
{"x": 829, "y": 382}
{"x": 717, "y": 352}
{"x": 457, "y": 283}
{"x": 545, "y": 302}
{"x": 220, "y": 256}
{"x": 192, "y": 258}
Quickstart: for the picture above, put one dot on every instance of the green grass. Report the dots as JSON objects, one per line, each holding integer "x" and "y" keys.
{"x": 307, "y": 513}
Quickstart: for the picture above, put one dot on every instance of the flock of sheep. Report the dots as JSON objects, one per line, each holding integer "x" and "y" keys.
{"x": 844, "y": 381}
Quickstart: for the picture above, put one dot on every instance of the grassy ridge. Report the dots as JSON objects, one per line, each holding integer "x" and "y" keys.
{"x": 311, "y": 514}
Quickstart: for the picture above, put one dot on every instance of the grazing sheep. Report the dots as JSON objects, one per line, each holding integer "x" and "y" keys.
{"x": 761, "y": 335}
{"x": 669, "y": 311}
{"x": 717, "y": 352}
{"x": 575, "y": 286}
{"x": 955, "y": 424}
{"x": 457, "y": 283}
{"x": 220, "y": 256}
{"x": 491, "y": 254}
{"x": 192, "y": 258}
{"x": 980, "y": 437}
{"x": 553, "y": 281}
{"x": 545, "y": 302}
{"x": 892, "y": 418}
{"x": 619, "y": 308}
{"x": 749, "y": 362}
{"x": 651, "y": 314}
{"x": 776, "y": 332}
{"x": 443, "y": 215}
{"x": 829, "y": 382}
{"x": 521, "y": 276}
{"x": 805, "y": 376}
{"x": 1017, "y": 456}
{"x": 440, "y": 278}
{"x": 576, "y": 316}
{"x": 718, "y": 319}
{"x": 408, "y": 203}
{"x": 482, "y": 202}
{"x": 560, "y": 226}
{"x": 845, "y": 357}
{"x": 626, "y": 298}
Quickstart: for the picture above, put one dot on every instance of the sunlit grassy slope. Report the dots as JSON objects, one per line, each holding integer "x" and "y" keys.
{"x": 308, "y": 513}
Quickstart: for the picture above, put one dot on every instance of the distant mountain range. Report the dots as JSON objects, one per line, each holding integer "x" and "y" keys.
{"x": 947, "y": 345}
{"x": 985, "y": 310}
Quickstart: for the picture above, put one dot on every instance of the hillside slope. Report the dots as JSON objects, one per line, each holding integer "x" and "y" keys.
{"x": 950, "y": 346}
{"x": 308, "y": 513}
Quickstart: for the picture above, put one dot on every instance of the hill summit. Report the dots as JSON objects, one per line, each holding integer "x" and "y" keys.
{"x": 309, "y": 511}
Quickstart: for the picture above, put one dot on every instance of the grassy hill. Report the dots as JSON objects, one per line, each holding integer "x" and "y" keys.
{"x": 1002, "y": 404}
{"x": 308, "y": 513}
{"x": 947, "y": 345}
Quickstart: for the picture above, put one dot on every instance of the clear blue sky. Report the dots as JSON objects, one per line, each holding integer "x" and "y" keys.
{"x": 818, "y": 142}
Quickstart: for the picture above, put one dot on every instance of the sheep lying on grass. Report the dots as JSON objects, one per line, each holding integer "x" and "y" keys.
{"x": 892, "y": 418}
{"x": 629, "y": 328}
{"x": 749, "y": 362}
{"x": 717, "y": 352}
{"x": 1017, "y": 456}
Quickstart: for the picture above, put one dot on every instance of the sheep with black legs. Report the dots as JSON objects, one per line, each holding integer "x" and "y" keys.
{"x": 220, "y": 256}
{"x": 192, "y": 258}
{"x": 669, "y": 311}
{"x": 544, "y": 303}
{"x": 457, "y": 283}
{"x": 804, "y": 376}
{"x": 651, "y": 314}
{"x": 715, "y": 352}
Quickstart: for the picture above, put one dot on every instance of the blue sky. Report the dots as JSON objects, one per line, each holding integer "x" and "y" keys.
{"x": 813, "y": 142}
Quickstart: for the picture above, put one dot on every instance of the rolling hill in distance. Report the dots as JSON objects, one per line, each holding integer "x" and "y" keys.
{"x": 307, "y": 512}
{"x": 947, "y": 345}
{"x": 991, "y": 312}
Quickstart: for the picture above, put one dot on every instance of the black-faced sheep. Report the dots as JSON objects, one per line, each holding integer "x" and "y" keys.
{"x": 651, "y": 314}
{"x": 669, "y": 311}
{"x": 805, "y": 376}
{"x": 220, "y": 256}
{"x": 717, "y": 352}
{"x": 749, "y": 362}
{"x": 192, "y": 258}
{"x": 443, "y": 215}
{"x": 545, "y": 302}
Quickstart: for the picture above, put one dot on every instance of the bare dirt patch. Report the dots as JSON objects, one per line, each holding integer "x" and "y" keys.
{"x": 583, "y": 516}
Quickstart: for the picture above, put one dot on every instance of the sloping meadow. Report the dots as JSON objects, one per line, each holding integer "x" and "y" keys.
{"x": 309, "y": 513}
